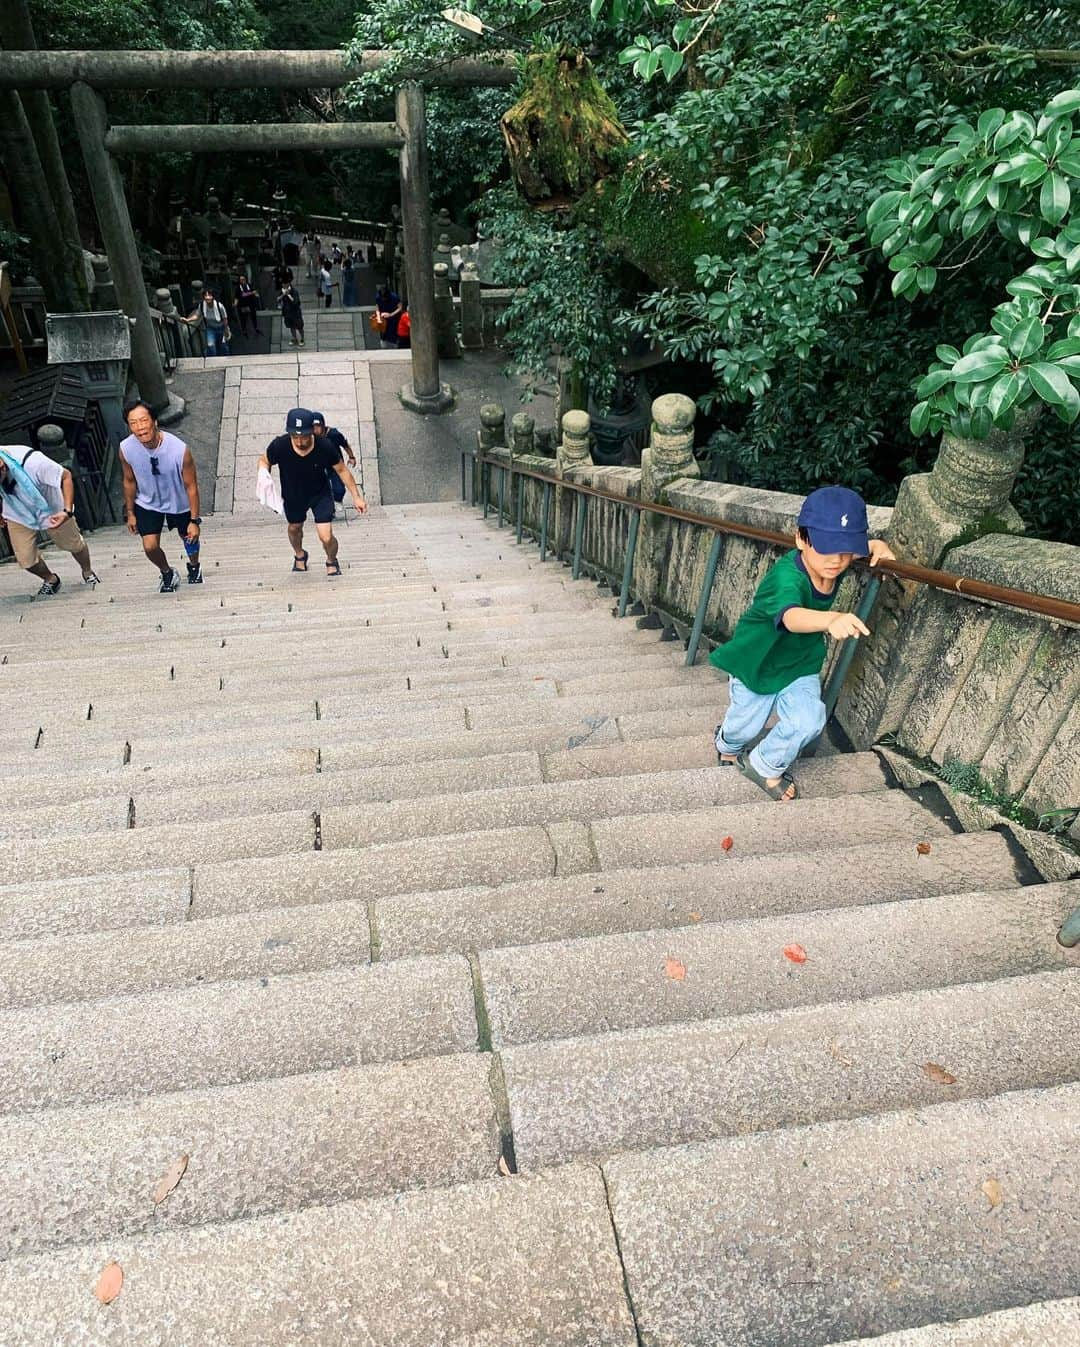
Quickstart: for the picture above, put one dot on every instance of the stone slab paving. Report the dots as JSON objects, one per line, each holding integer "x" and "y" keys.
{"x": 1053, "y": 1323}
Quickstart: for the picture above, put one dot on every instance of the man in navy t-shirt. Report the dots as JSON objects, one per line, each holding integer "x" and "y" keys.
{"x": 338, "y": 440}
{"x": 303, "y": 462}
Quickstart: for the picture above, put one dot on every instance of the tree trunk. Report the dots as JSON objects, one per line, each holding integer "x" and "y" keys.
{"x": 17, "y": 34}
{"x": 35, "y": 207}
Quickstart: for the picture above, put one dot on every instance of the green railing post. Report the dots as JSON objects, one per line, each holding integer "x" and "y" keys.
{"x": 520, "y": 506}
{"x": 706, "y": 594}
{"x": 835, "y": 683}
{"x": 485, "y": 485}
{"x": 628, "y": 567}
{"x": 463, "y": 497}
{"x": 580, "y": 501}
{"x": 502, "y": 494}
{"x": 544, "y": 524}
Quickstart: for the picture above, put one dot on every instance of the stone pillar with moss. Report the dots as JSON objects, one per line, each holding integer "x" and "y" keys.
{"x": 491, "y": 435}
{"x": 572, "y": 452}
{"x": 668, "y": 457}
{"x": 964, "y": 497}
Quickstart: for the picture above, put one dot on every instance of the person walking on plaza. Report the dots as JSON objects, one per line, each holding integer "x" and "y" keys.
{"x": 247, "y": 305}
{"x": 292, "y": 313}
{"x": 389, "y": 307}
{"x": 348, "y": 279}
{"x": 775, "y": 654}
{"x": 38, "y": 494}
{"x": 327, "y": 284}
{"x": 161, "y": 491}
{"x": 212, "y": 316}
{"x": 303, "y": 460}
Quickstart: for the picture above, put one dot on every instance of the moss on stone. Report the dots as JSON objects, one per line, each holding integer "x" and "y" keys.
{"x": 563, "y": 134}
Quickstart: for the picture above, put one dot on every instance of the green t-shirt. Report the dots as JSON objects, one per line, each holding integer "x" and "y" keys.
{"x": 762, "y": 653}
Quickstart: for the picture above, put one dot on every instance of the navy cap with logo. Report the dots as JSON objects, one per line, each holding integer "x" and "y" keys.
{"x": 300, "y": 421}
{"x": 835, "y": 518}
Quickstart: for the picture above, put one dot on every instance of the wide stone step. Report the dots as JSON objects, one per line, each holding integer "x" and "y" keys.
{"x": 584, "y": 800}
{"x": 80, "y": 1174}
{"x": 615, "y": 901}
{"x": 228, "y": 1032}
{"x": 566, "y": 989}
{"x": 507, "y": 1261}
{"x": 584, "y": 1098}
{"x": 1049, "y": 1323}
{"x": 110, "y": 943}
{"x": 810, "y": 1236}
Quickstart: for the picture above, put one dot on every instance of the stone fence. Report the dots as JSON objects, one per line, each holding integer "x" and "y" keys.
{"x": 948, "y": 678}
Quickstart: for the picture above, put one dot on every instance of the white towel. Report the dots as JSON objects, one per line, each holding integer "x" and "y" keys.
{"x": 267, "y": 492}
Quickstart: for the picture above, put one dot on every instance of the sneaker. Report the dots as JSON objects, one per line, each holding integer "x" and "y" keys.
{"x": 49, "y": 588}
{"x": 91, "y": 580}
{"x": 194, "y": 574}
{"x": 169, "y": 583}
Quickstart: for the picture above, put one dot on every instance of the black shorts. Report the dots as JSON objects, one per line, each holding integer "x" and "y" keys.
{"x": 151, "y": 523}
{"x": 321, "y": 507}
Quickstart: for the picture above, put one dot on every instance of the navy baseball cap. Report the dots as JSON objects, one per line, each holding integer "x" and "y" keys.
{"x": 835, "y": 518}
{"x": 318, "y": 416}
{"x": 300, "y": 421}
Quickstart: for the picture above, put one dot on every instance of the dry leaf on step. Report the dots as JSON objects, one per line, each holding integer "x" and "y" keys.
{"x": 923, "y": 848}
{"x": 170, "y": 1178}
{"x": 795, "y": 953}
{"x": 675, "y": 970}
{"x": 938, "y": 1074}
{"x": 504, "y": 1168}
{"x": 695, "y": 916}
{"x": 834, "y": 1048}
{"x": 992, "y": 1189}
{"x": 728, "y": 843}
{"x": 109, "y": 1283}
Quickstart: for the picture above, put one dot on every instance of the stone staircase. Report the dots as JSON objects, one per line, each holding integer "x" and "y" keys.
{"x": 404, "y": 906}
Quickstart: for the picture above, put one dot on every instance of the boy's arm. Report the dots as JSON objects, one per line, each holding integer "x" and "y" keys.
{"x": 838, "y": 625}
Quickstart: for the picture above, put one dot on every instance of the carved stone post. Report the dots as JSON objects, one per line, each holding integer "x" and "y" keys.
{"x": 573, "y": 451}
{"x": 104, "y": 296}
{"x": 522, "y": 435}
{"x": 668, "y": 457}
{"x": 472, "y": 312}
{"x": 445, "y": 325}
{"x": 491, "y": 435}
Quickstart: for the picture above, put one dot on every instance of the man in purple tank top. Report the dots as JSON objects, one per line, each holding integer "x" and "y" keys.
{"x": 161, "y": 491}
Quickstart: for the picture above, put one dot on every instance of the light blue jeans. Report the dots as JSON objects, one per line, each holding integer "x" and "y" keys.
{"x": 801, "y": 718}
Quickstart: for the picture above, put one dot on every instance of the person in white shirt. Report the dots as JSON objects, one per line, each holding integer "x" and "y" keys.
{"x": 161, "y": 492}
{"x": 37, "y": 494}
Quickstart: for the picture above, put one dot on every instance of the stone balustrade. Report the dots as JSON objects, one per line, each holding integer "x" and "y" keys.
{"x": 951, "y": 679}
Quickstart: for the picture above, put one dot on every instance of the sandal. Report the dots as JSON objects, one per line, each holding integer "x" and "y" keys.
{"x": 778, "y": 792}
{"x": 333, "y": 568}
{"x": 720, "y": 762}
{"x": 296, "y": 563}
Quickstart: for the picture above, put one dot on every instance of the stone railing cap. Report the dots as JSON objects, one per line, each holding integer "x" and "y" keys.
{"x": 576, "y": 422}
{"x": 1036, "y": 565}
{"x": 674, "y": 411}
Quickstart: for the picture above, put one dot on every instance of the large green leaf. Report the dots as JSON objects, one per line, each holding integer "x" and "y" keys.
{"x": 1064, "y": 103}
{"x": 980, "y": 365}
{"x": 1053, "y": 384}
{"x": 1027, "y": 337}
{"x": 1004, "y": 392}
{"x": 882, "y": 207}
{"x": 1054, "y": 198}
{"x": 920, "y": 418}
{"x": 929, "y": 385}
{"x": 903, "y": 280}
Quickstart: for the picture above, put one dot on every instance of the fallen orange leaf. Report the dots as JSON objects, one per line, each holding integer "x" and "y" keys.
{"x": 728, "y": 843}
{"x": 675, "y": 970}
{"x": 992, "y": 1189}
{"x": 923, "y": 848}
{"x": 170, "y": 1178}
{"x": 109, "y": 1283}
{"x": 795, "y": 953}
{"x": 504, "y": 1168}
{"x": 695, "y": 916}
{"x": 938, "y": 1074}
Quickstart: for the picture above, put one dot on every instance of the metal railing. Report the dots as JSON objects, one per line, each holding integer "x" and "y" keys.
{"x": 1059, "y": 609}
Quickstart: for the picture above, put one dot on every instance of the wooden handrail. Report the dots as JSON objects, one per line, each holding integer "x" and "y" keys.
{"x": 1059, "y": 609}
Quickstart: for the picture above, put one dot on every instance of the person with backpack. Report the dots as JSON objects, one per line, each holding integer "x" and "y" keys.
{"x": 212, "y": 316}
{"x": 37, "y": 495}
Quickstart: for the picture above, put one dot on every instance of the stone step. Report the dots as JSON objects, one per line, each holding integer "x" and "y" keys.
{"x": 162, "y": 949}
{"x": 583, "y": 800}
{"x": 852, "y": 1228}
{"x": 311, "y": 702}
{"x": 566, "y": 989}
{"x": 126, "y": 1047}
{"x": 79, "y": 1174}
{"x": 94, "y": 903}
{"x": 1048, "y": 1323}
{"x": 583, "y": 1098}
{"x": 522, "y": 1261}
{"x": 611, "y": 902}
{"x": 579, "y": 715}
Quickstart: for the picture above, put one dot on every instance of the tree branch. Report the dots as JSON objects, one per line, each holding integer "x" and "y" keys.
{"x": 1048, "y": 55}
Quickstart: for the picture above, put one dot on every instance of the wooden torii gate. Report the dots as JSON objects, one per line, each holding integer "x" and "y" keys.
{"x": 87, "y": 74}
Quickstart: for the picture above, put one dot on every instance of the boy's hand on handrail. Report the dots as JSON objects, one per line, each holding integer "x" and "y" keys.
{"x": 880, "y": 551}
{"x": 843, "y": 625}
